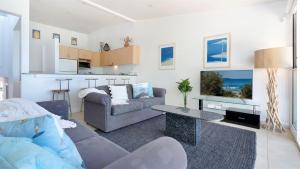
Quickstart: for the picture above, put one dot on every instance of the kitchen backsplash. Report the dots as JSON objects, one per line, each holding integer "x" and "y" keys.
{"x": 124, "y": 69}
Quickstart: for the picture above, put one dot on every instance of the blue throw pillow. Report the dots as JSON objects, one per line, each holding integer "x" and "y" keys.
{"x": 22, "y": 153}
{"x": 43, "y": 132}
{"x": 142, "y": 90}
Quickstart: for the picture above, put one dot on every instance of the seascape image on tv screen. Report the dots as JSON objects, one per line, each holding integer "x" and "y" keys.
{"x": 227, "y": 83}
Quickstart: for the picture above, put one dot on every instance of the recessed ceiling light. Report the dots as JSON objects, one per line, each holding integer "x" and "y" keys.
{"x": 93, "y": 4}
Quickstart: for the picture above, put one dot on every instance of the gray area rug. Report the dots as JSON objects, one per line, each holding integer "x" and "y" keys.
{"x": 221, "y": 147}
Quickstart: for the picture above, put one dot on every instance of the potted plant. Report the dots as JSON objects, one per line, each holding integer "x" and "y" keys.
{"x": 184, "y": 87}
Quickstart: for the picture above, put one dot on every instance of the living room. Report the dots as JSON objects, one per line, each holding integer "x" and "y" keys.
{"x": 193, "y": 78}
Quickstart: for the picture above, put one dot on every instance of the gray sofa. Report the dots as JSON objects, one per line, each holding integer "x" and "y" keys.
{"x": 100, "y": 153}
{"x": 99, "y": 112}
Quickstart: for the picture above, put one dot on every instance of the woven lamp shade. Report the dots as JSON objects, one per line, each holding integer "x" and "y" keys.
{"x": 281, "y": 57}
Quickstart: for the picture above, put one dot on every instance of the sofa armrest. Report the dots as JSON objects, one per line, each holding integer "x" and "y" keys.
{"x": 98, "y": 98}
{"x": 163, "y": 153}
{"x": 159, "y": 92}
{"x": 58, "y": 107}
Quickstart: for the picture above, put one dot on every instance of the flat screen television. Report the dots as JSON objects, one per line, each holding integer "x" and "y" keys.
{"x": 227, "y": 83}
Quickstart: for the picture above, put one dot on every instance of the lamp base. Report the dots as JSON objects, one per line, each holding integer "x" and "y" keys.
{"x": 273, "y": 120}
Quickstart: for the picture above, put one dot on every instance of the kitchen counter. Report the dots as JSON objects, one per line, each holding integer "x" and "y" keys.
{"x": 38, "y": 86}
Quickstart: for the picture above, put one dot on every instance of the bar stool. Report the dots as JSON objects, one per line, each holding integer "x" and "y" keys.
{"x": 64, "y": 92}
{"x": 89, "y": 86}
{"x": 109, "y": 81}
{"x": 126, "y": 80}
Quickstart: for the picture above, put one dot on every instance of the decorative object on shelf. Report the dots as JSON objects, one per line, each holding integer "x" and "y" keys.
{"x": 36, "y": 34}
{"x": 74, "y": 41}
{"x": 106, "y": 47}
{"x": 217, "y": 51}
{"x": 272, "y": 59}
{"x": 101, "y": 46}
{"x": 167, "y": 56}
{"x": 127, "y": 40}
{"x": 184, "y": 87}
{"x": 56, "y": 36}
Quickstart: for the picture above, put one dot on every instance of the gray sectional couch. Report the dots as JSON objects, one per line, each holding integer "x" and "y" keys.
{"x": 100, "y": 113}
{"x": 100, "y": 153}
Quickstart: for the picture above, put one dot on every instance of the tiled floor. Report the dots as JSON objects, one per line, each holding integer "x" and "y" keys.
{"x": 274, "y": 150}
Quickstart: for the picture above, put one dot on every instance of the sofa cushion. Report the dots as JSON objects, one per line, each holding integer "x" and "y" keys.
{"x": 80, "y": 132}
{"x": 118, "y": 92}
{"x": 106, "y": 89}
{"x": 43, "y": 132}
{"x": 129, "y": 91}
{"x": 20, "y": 152}
{"x": 97, "y": 152}
{"x": 149, "y": 102}
{"x": 134, "y": 105}
{"x": 142, "y": 90}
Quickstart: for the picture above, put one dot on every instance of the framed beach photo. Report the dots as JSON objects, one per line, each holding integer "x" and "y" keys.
{"x": 217, "y": 51}
{"x": 56, "y": 36}
{"x": 74, "y": 41}
{"x": 36, "y": 34}
{"x": 167, "y": 56}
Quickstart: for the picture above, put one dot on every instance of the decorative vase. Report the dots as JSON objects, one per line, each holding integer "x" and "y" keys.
{"x": 127, "y": 40}
{"x": 106, "y": 47}
{"x": 185, "y": 99}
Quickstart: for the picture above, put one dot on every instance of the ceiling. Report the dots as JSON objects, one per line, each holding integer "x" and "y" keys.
{"x": 74, "y": 15}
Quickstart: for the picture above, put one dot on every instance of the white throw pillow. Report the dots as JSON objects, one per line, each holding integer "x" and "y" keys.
{"x": 118, "y": 92}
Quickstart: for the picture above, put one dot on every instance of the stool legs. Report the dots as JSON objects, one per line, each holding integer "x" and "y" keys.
{"x": 69, "y": 102}
{"x": 55, "y": 96}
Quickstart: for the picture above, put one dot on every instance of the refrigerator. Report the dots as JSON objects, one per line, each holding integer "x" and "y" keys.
{"x": 68, "y": 66}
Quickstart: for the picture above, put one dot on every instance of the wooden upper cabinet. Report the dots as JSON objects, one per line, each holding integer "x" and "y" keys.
{"x": 63, "y": 52}
{"x": 73, "y": 53}
{"x": 128, "y": 55}
{"x": 122, "y": 56}
{"x": 68, "y": 52}
{"x": 95, "y": 59}
{"x": 106, "y": 59}
{"x": 85, "y": 54}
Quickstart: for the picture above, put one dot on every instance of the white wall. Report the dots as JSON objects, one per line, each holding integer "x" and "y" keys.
{"x": 251, "y": 28}
{"x": 9, "y": 53}
{"x": 21, "y": 9}
{"x": 36, "y": 45}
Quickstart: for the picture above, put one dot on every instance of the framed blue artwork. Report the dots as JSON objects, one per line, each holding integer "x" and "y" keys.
{"x": 217, "y": 51}
{"x": 167, "y": 56}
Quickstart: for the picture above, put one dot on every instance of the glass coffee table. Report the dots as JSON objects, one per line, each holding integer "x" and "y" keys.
{"x": 184, "y": 124}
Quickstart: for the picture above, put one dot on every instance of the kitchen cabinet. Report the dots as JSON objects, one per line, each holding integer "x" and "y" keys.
{"x": 121, "y": 56}
{"x": 95, "y": 59}
{"x": 127, "y": 55}
{"x": 68, "y": 52}
{"x": 63, "y": 52}
{"x": 85, "y": 54}
{"x": 73, "y": 53}
{"x": 106, "y": 59}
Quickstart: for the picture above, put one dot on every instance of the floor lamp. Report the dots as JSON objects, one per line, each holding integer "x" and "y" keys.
{"x": 272, "y": 59}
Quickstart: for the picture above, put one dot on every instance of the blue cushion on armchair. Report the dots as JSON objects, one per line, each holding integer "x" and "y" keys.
{"x": 21, "y": 153}
{"x": 43, "y": 132}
